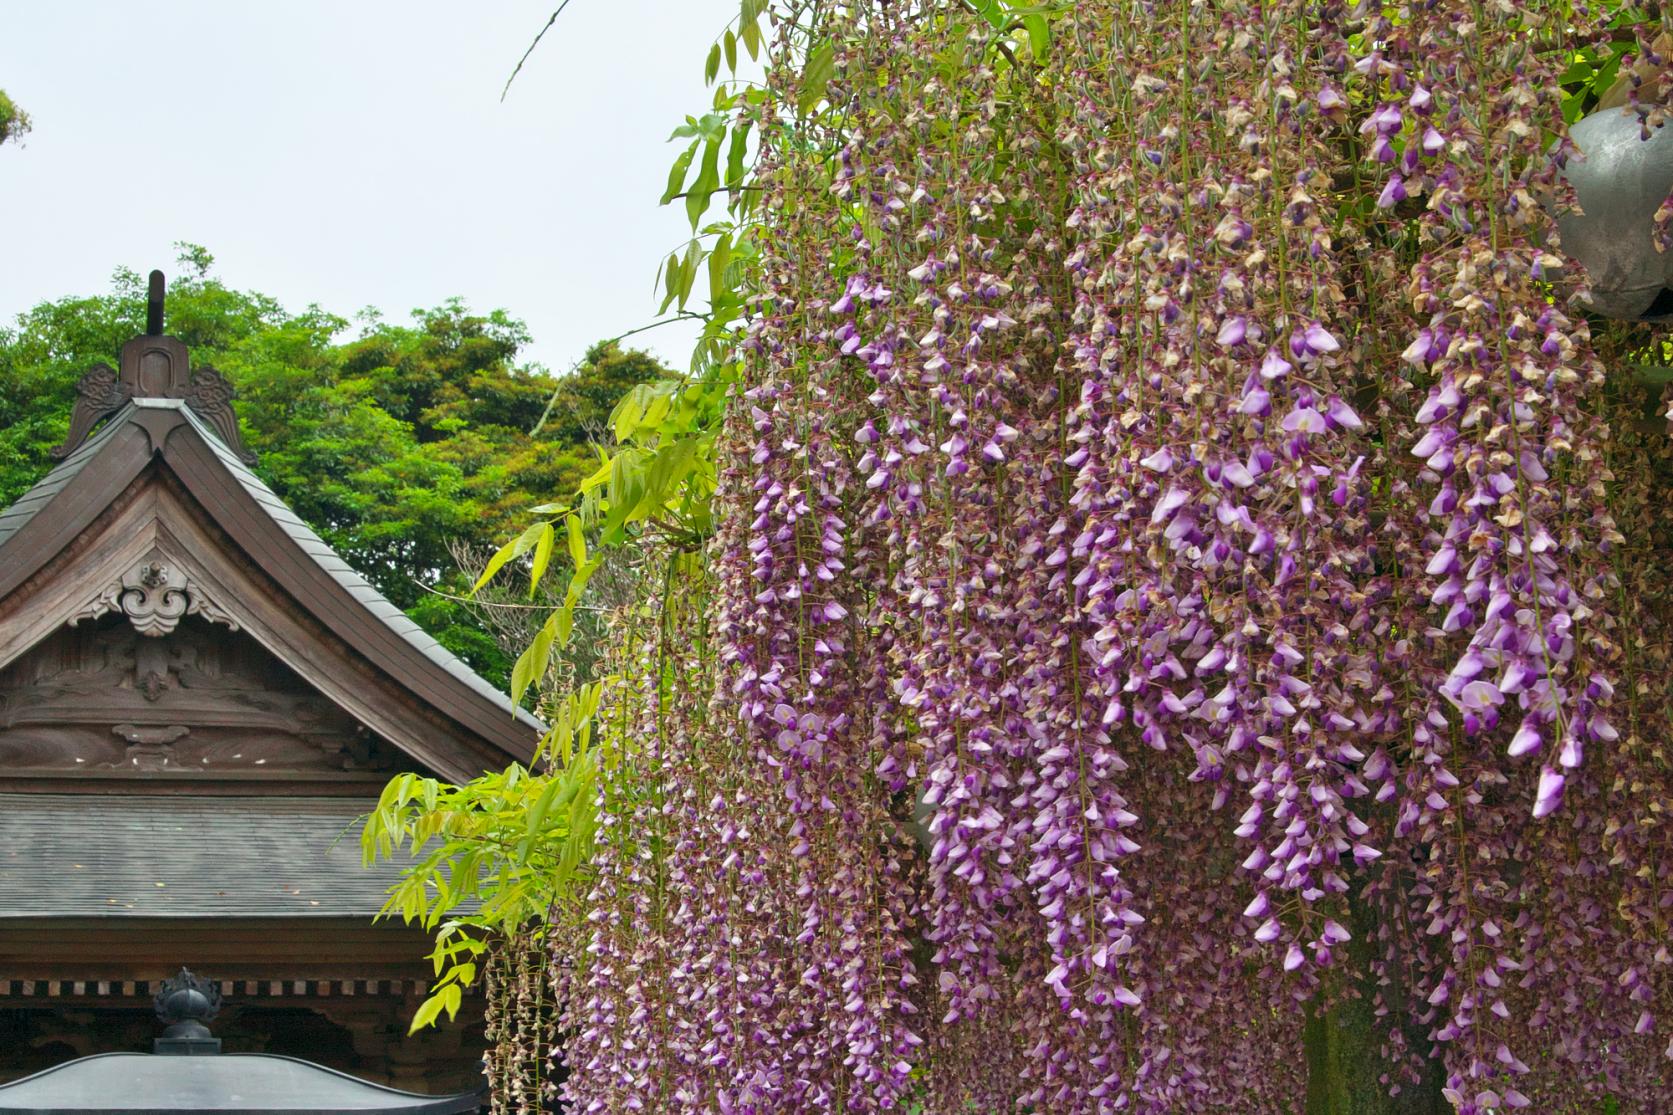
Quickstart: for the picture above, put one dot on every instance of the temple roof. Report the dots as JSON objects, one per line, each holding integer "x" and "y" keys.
{"x": 231, "y": 1083}
{"x": 13, "y": 518}
{"x": 42, "y": 495}
{"x": 181, "y": 855}
{"x": 171, "y": 426}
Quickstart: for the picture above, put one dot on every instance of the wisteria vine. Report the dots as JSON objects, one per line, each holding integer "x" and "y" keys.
{"x": 1186, "y": 575}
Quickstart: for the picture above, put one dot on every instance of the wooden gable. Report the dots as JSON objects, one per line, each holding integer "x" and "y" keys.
{"x": 165, "y": 617}
{"x": 103, "y": 700}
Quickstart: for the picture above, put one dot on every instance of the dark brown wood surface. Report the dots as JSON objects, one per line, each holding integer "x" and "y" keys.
{"x": 284, "y": 949}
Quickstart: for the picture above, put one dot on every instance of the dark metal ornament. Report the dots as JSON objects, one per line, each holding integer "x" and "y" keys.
{"x": 154, "y": 305}
{"x": 1620, "y": 183}
{"x": 186, "y": 1003}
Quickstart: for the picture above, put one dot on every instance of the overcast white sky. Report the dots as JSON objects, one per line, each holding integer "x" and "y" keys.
{"x": 355, "y": 153}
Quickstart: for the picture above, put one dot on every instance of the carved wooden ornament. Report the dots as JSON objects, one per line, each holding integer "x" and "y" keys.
{"x": 154, "y": 366}
{"x": 155, "y": 595}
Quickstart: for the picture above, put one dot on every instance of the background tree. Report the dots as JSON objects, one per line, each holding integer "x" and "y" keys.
{"x": 14, "y": 122}
{"x": 394, "y": 442}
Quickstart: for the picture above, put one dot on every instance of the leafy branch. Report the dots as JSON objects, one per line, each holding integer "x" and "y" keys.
{"x": 491, "y": 856}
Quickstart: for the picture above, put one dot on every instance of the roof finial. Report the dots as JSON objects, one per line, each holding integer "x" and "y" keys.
{"x": 154, "y": 367}
{"x": 154, "y": 306}
{"x": 186, "y": 1002}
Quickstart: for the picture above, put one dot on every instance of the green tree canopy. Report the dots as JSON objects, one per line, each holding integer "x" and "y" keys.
{"x": 397, "y": 443}
{"x": 13, "y": 120}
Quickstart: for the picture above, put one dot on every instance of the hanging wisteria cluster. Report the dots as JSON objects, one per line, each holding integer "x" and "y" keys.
{"x": 1189, "y": 591}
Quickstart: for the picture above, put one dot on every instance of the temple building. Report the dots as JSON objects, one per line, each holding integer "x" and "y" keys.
{"x": 198, "y": 700}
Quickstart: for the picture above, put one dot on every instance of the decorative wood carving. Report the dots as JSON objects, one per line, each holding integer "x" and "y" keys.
{"x": 155, "y": 367}
{"x": 198, "y": 701}
{"x": 210, "y": 396}
{"x": 150, "y": 748}
{"x": 99, "y": 394}
{"x": 155, "y": 595}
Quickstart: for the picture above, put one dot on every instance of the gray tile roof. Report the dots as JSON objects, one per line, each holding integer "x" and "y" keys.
{"x": 253, "y": 1083}
{"x": 86, "y": 855}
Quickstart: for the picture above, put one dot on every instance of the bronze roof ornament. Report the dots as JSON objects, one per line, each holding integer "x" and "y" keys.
{"x": 154, "y": 366}
{"x": 185, "y": 1004}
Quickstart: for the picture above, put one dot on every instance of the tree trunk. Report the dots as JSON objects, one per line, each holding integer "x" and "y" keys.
{"x": 1344, "y": 1056}
{"x": 1344, "y": 1064}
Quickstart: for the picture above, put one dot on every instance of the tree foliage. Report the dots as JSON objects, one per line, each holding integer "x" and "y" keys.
{"x": 14, "y": 122}
{"x": 394, "y": 442}
{"x": 504, "y": 846}
{"x": 636, "y": 527}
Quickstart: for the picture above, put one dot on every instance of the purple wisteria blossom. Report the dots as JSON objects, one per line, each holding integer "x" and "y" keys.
{"x": 1175, "y": 547}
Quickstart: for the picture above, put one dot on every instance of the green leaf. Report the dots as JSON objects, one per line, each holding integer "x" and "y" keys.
{"x": 426, "y": 1014}
{"x": 1039, "y": 36}
{"x": 735, "y": 153}
{"x": 713, "y": 126}
{"x": 542, "y": 557}
{"x": 720, "y": 257}
{"x": 602, "y": 476}
{"x": 516, "y": 548}
{"x": 992, "y": 11}
{"x": 656, "y": 410}
{"x": 688, "y": 272}
{"x": 531, "y": 664}
{"x": 730, "y": 42}
{"x": 670, "y": 283}
{"x": 711, "y": 67}
{"x": 578, "y": 583}
{"x": 537, "y": 815}
{"x": 1605, "y": 75}
{"x": 577, "y": 542}
{"x": 1579, "y": 70}
{"x": 676, "y": 175}
{"x": 625, "y": 419}
{"x": 816, "y": 75}
{"x": 668, "y": 468}
{"x": 708, "y": 178}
